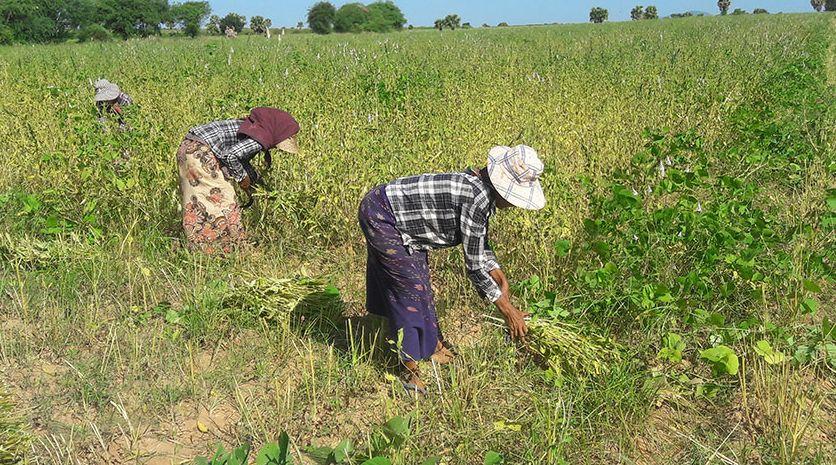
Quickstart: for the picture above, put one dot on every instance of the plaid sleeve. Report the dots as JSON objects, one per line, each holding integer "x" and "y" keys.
{"x": 124, "y": 99}
{"x": 478, "y": 258}
{"x": 235, "y": 155}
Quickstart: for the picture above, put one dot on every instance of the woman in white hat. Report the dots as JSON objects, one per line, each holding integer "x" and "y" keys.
{"x": 110, "y": 99}
{"x": 406, "y": 218}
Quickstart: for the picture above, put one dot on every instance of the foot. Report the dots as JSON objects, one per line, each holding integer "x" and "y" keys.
{"x": 442, "y": 354}
{"x": 412, "y": 379}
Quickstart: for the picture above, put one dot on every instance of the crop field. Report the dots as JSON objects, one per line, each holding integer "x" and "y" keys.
{"x": 685, "y": 254}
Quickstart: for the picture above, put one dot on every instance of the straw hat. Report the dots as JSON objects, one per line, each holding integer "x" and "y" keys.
{"x": 105, "y": 90}
{"x": 289, "y": 145}
{"x": 515, "y": 174}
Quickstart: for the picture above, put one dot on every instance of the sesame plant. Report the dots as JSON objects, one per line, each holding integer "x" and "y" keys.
{"x": 679, "y": 280}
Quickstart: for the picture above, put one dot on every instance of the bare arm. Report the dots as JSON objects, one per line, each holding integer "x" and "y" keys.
{"x": 513, "y": 317}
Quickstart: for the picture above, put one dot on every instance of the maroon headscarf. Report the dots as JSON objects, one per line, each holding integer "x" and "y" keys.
{"x": 269, "y": 126}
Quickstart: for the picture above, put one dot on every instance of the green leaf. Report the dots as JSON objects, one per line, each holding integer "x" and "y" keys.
{"x": 723, "y": 360}
{"x": 343, "y": 451}
{"x": 810, "y": 306}
{"x": 811, "y": 286}
{"x": 434, "y": 460}
{"x": 377, "y": 461}
{"x": 269, "y": 455}
{"x": 765, "y": 350}
{"x": 562, "y": 247}
{"x": 831, "y": 203}
{"x": 827, "y": 329}
{"x": 672, "y": 347}
{"x": 493, "y": 458}
{"x": 239, "y": 455}
{"x": 397, "y": 429}
{"x": 201, "y": 461}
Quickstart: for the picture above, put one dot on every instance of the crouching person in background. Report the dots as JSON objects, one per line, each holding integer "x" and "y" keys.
{"x": 110, "y": 100}
{"x": 214, "y": 155}
{"x": 406, "y": 218}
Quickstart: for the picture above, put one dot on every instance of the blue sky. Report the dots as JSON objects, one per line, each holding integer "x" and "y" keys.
{"x": 424, "y": 12}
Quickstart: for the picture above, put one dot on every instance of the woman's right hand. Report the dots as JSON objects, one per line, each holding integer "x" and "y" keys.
{"x": 246, "y": 184}
{"x": 514, "y": 318}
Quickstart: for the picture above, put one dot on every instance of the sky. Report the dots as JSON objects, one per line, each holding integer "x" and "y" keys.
{"x": 477, "y": 12}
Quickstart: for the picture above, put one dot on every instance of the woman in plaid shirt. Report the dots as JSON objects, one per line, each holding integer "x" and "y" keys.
{"x": 215, "y": 154}
{"x": 406, "y": 218}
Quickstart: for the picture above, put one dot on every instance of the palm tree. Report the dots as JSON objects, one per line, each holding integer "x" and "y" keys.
{"x": 724, "y": 6}
{"x": 818, "y": 5}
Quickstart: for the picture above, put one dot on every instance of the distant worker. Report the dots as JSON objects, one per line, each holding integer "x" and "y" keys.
{"x": 215, "y": 154}
{"x": 406, "y": 218}
{"x": 110, "y": 100}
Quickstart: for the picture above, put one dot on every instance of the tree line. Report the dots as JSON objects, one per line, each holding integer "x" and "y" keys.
{"x": 380, "y": 16}
{"x": 58, "y": 20}
{"x": 639, "y": 12}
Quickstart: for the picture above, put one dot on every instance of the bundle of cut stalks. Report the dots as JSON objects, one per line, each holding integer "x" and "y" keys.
{"x": 14, "y": 436}
{"x": 567, "y": 348}
{"x": 275, "y": 299}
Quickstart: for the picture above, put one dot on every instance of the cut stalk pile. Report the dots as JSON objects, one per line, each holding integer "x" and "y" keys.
{"x": 276, "y": 299}
{"x": 567, "y": 348}
{"x": 14, "y": 439}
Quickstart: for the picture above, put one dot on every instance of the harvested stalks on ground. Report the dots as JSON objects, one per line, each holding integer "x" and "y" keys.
{"x": 566, "y": 348}
{"x": 14, "y": 438}
{"x": 276, "y": 299}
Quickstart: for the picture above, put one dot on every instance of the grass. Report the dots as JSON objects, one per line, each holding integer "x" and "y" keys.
{"x": 120, "y": 345}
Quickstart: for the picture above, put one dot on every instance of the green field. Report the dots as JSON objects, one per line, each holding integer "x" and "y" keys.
{"x": 691, "y": 207}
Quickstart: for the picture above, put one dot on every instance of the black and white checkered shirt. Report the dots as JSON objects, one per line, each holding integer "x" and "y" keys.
{"x": 234, "y": 151}
{"x": 435, "y": 211}
{"x": 124, "y": 99}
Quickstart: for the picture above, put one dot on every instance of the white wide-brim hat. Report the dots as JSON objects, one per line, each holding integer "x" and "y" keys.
{"x": 105, "y": 90}
{"x": 515, "y": 174}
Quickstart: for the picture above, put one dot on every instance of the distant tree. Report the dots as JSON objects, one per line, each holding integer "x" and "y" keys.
{"x": 759, "y": 11}
{"x": 351, "y": 17}
{"x": 128, "y": 18}
{"x": 321, "y": 17}
{"x": 502, "y": 24}
{"x": 189, "y": 16}
{"x": 260, "y": 24}
{"x": 214, "y": 25}
{"x": 466, "y": 26}
{"x": 452, "y": 21}
{"x": 830, "y": 5}
{"x": 299, "y": 26}
{"x": 739, "y": 11}
{"x": 439, "y": 24}
{"x": 651, "y": 13}
{"x": 384, "y": 16}
{"x": 817, "y": 5}
{"x": 234, "y": 21}
{"x": 93, "y": 32}
{"x": 637, "y": 13}
{"x": 724, "y": 5}
{"x": 598, "y": 15}
{"x": 486, "y": 25}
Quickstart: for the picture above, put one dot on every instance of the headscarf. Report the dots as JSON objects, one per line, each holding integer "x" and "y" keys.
{"x": 269, "y": 127}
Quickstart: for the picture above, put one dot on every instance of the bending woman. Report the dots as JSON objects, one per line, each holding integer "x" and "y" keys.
{"x": 215, "y": 154}
{"x": 110, "y": 100}
{"x": 406, "y": 218}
